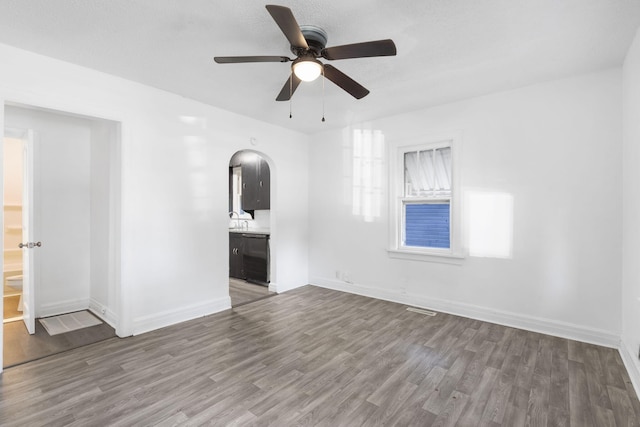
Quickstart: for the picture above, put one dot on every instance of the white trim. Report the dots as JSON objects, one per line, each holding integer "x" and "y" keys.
{"x": 122, "y": 306}
{"x": 274, "y": 287}
{"x": 631, "y": 363}
{"x": 62, "y": 307}
{"x": 16, "y": 133}
{"x": 505, "y": 318}
{"x": 108, "y": 316}
{"x": 181, "y": 314}
{"x": 72, "y": 109}
{"x": 444, "y": 257}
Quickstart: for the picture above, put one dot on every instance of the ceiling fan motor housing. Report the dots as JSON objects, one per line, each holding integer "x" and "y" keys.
{"x": 316, "y": 38}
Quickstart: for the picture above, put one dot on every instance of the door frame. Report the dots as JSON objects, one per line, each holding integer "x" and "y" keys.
{"x": 272, "y": 273}
{"x": 28, "y": 259}
{"x": 121, "y": 302}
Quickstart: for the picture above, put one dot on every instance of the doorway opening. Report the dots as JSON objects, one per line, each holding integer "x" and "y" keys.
{"x": 12, "y": 209}
{"x": 60, "y": 231}
{"x": 249, "y": 228}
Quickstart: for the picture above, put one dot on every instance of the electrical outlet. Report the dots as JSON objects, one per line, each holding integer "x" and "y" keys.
{"x": 103, "y": 310}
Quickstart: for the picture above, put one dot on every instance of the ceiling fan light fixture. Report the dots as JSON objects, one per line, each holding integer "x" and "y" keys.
{"x": 307, "y": 69}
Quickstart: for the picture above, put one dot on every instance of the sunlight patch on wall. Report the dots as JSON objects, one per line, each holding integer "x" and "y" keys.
{"x": 367, "y": 161}
{"x": 490, "y": 224}
{"x": 200, "y": 122}
{"x": 200, "y": 191}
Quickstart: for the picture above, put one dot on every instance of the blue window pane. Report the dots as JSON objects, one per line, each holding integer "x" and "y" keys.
{"x": 427, "y": 225}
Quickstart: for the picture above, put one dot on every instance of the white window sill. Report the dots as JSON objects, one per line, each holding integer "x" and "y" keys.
{"x": 444, "y": 257}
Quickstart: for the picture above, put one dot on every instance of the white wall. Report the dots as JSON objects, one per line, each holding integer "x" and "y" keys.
{"x": 102, "y": 293}
{"x": 631, "y": 212}
{"x": 175, "y": 156}
{"x": 555, "y": 148}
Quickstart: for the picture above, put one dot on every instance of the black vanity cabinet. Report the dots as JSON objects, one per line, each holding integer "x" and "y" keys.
{"x": 235, "y": 256}
{"x": 249, "y": 257}
{"x": 256, "y": 185}
{"x": 255, "y": 258}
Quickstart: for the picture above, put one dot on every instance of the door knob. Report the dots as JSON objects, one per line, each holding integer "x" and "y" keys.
{"x": 29, "y": 245}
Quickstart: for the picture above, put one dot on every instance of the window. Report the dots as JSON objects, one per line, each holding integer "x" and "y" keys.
{"x": 427, "y": 198}
{"x": 425, "y": 212}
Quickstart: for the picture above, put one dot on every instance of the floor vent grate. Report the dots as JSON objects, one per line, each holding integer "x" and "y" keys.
{"x": 421, "y": 311}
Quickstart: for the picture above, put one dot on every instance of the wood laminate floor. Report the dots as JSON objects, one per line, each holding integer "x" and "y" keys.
{"x": 243, "y": 292}
{"x": 20, "y": 347}
{"x": 315, "y": 356}
{"x": 10, "y": 306}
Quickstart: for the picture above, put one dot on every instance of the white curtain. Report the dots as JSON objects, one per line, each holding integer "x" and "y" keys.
{"x": 428, "y": 173}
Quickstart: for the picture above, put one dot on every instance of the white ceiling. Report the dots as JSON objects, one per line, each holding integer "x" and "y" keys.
{"x": 447, "y": 49}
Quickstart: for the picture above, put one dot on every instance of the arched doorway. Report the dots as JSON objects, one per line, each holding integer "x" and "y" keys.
{"x": 249, "y": 227}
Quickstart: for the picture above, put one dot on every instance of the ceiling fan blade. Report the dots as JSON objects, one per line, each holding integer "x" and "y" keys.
{"x": 289, "y": 88}
{"x": 360, "y": 50}
{"x": 345, "y": 82}
{"x": 242, "y": 59}
{"x": 287, "y": 23}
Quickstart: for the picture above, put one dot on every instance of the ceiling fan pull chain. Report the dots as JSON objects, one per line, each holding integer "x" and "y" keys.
{"x": 290, "y": 93}
{"x": 323, "y": 94}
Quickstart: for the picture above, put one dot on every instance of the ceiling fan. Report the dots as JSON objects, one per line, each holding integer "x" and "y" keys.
{"x": 308, "y": 44}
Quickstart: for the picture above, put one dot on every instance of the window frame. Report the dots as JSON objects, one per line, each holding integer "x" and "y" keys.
{"x": 398, "y": 201}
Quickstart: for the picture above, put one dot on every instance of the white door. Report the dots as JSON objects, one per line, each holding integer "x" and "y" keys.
{"x": 28, "y": 246}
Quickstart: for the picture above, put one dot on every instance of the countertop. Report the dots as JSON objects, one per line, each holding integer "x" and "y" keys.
{"x": 262, "y": 231}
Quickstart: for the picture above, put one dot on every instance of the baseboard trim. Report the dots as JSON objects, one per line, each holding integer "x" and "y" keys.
{"x": 278, "y": 288}
{"x": 515, "y": 320}
{"x": 182, "y": 314}
{"x": 108, "y": 316}
{"x": 631, "y": 363}
{"x": 62, "y": 307}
